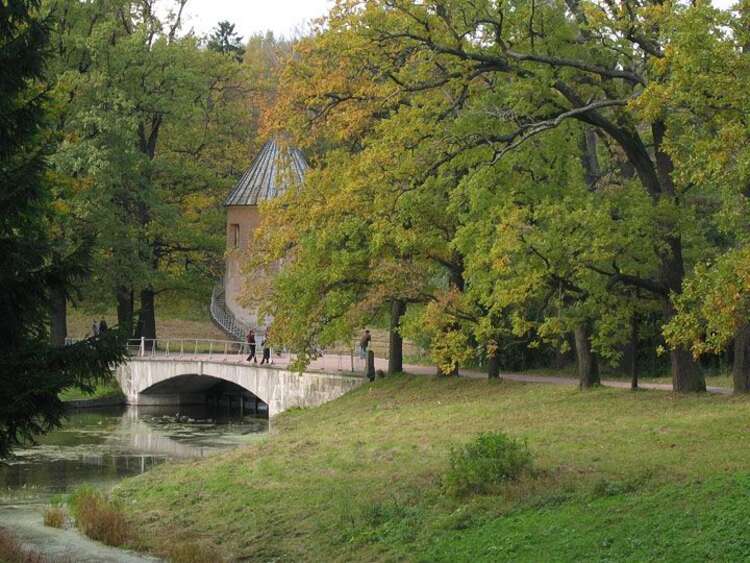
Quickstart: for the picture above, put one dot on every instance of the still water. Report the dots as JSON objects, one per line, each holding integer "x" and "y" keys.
{"x": 101, "y": 447}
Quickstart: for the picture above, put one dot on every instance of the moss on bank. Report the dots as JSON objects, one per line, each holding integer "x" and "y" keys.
{"x": 359, "y": 478}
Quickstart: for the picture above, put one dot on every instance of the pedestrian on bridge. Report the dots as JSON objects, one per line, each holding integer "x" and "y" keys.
{"x": 364, "y": 342}
{"x": 266, "y": 351}
{"x": 266, "y": 347}
{"x": 251, "y": 345}
{"x": 94, "y": 329}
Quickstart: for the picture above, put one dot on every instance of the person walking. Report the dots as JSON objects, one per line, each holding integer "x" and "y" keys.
{"x": 103, "y": 326}
{"x": 266, "y": 351}
{"x": 94, "y": 329}
{"x": 364, "y": 342}
{"x": 251, "y": 345}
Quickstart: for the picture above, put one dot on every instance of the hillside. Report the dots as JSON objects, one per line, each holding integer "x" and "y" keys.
{"x": 620, "y": 476}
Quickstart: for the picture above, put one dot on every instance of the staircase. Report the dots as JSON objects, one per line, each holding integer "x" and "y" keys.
{"x": 223, "y": 317}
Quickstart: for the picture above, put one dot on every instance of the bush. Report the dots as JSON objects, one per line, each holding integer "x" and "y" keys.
{"x": 54, "y": 517}
{"x": 99, "y": 518}
{"x": 489, "y": 461}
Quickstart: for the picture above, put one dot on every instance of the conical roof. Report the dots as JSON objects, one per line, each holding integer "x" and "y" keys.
{"x": 270, "y": 174}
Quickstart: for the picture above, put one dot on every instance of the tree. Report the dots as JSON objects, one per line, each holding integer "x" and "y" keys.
{"x": 593, "y": 135}
{"x": 158, "y": 126}
{"x": 711, "y": 148}
{"x": 606, "y": 68}
{"x": 32, "y": 372}
{"x": 225, "y": 40}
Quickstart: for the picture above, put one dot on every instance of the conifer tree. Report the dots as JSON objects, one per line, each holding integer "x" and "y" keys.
{"x": 32, "y": 372}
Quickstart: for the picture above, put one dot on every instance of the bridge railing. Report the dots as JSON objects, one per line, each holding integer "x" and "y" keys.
{"x": 237, "y": 351}
{"x": 185, "y": 347}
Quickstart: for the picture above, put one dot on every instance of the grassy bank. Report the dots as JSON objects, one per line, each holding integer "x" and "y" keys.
{"x": 197, "y": 325}
{"x": 361, "y": 478}
{"x": 105, "y": 390}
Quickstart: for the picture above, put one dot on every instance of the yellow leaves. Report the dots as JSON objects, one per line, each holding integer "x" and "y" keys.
{"x": 715, "y": 302}
{"x": 195, "y": 204}
{"x": 61, "y": 207}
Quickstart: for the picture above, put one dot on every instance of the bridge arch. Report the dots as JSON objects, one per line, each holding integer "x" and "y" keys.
{"x": 196, "y": 389}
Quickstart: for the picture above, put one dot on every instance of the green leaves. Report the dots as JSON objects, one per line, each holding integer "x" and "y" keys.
{"x": 156, "y": 129}
{"x": 550, "y": 166}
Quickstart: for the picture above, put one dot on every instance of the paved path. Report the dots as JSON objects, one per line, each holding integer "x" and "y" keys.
{"x": 332, "y": 363}
{"x": 553, "y": 380}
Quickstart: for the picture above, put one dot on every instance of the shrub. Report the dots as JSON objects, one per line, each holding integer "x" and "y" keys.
{"x": 54, "y": 517}
{"x": 99, "y": 518}
{"x": 492, "y": 459}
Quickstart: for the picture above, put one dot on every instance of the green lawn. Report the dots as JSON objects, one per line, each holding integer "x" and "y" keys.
{"x": 622, "y": 476}
{"x": 693, "y": 521}
{"x": 167, "y": 326}
{"x": 102, "y": 391}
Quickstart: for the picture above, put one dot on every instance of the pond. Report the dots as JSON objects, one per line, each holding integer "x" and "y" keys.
{"x": 101, "y": 447}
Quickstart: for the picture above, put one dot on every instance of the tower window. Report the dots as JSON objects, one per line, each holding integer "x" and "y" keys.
{"x": 235, "y": 228}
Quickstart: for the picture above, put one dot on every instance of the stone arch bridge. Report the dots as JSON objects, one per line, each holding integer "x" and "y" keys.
{"x": 181, "y": 379}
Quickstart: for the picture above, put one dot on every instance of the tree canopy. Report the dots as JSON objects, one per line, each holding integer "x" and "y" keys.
{"x": 557, "y": 174}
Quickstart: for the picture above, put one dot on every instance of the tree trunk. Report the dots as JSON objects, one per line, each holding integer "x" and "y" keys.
{"x": 741, "y": 364}
{"x": 686, "y": 374}
{"x": 493, "y": 362}
{"x": 124, "y": 297}
{"x": 58, "y": 317}
{"x": 686, "y": 377}
{"x": 633, "y": 353}
{"x": 147, "y": 317}
{"x": 589, "y": 158}
{"x": 396, "y": 348}
{"x": 587, "y": 367}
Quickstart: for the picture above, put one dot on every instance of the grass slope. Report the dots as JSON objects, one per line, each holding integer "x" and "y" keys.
{"x": 105, "y": 390}
{"x": 623, "y": 476}
{"x": 695, "y": 521}
{"x": 167, "y": 326}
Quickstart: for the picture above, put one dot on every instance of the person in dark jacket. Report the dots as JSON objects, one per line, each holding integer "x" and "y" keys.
{"x": 364, "y": 342}
{"x": 251, "y": 346}
{"x": 103, "y": 326}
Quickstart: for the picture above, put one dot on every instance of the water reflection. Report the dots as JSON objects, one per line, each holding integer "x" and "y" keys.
{"x": 103, "y": 446}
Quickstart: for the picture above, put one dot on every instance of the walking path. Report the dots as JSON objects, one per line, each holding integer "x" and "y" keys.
{"x": 554, "y": 380}
{"x": 52, "y": 544}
